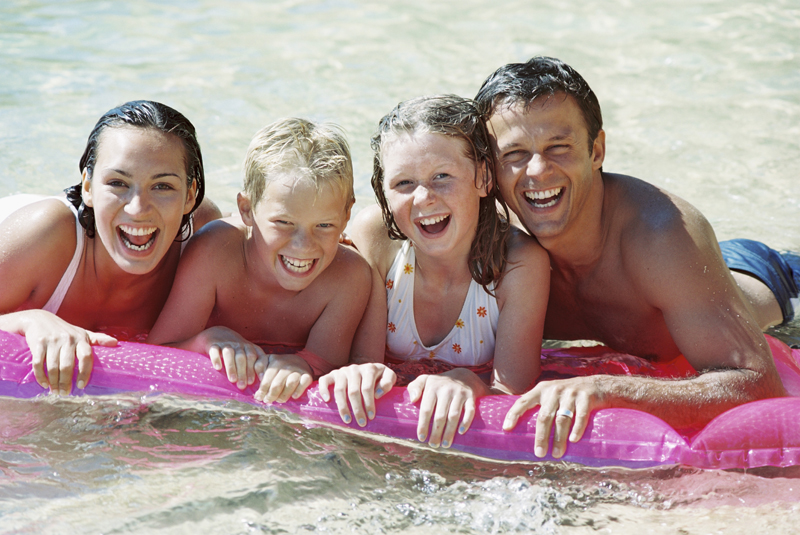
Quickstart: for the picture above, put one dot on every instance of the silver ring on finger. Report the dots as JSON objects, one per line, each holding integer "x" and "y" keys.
{"x": 565, "y": 412}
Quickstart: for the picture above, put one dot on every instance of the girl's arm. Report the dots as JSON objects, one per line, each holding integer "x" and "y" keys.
{"x": 37, "y": 244}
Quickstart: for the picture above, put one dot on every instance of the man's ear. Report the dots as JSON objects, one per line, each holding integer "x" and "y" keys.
{"x": 599, "y": 150}
{"x": 245, "y": 209}
{"x": 86, "y": 188}
{"x": 191, "y": 197}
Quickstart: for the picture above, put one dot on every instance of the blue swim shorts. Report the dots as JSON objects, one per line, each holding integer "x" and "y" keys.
{"x": 779, "y": 271}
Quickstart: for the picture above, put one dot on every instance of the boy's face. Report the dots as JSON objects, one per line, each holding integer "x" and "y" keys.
{"x": 296, "y": 228}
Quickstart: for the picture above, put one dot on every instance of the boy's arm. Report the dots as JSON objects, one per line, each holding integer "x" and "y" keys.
{"x": 193, "y": 295}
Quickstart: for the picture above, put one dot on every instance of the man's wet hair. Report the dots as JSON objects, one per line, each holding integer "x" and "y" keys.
{"x": 522, "y": 83}
{"x": 145, "y": 114}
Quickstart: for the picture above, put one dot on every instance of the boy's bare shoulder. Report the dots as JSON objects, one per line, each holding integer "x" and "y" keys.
{"x": 349, "y": 266}
{"x": 217, "y": 239}
{"x": 372, "y": 240}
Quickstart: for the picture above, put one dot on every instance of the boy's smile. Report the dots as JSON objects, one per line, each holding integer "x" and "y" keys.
{"x": 295, "y": 229}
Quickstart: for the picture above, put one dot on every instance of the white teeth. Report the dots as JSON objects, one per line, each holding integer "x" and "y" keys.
{"x": 133, "y": 231}
{"x": 297, "y": 265}
{"x": 433, "y": 220}
{"x": 544, "y": 194}
{"x": 135, "y": 247}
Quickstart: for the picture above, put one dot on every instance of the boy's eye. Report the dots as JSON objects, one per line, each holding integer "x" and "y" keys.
{"x": 326, "y": 225}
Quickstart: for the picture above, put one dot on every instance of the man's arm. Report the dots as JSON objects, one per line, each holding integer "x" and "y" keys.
{"x": 675, "y": 265}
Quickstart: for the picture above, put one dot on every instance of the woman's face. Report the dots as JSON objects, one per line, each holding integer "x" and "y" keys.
{"x": 139, "y": 194}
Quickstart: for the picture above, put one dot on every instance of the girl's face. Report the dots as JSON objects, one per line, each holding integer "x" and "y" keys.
{"x": 429, "y": 183}
{"x": 296, "y": 228}
{"x": 139, "y": 194}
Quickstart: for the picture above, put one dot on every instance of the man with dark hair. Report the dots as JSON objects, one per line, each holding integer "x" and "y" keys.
{"x": 633, "y": 266}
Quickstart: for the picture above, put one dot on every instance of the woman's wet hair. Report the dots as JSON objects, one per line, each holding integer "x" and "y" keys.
{"x": 150, "y": 115}
{"x": 540, "y": 77}
{"x": 457, "y": 118}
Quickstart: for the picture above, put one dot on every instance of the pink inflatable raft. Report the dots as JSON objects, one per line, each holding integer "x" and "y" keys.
{"x": 763, "y": 433}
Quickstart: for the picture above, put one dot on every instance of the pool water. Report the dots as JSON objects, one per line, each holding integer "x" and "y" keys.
{"x": 700, "y": 97}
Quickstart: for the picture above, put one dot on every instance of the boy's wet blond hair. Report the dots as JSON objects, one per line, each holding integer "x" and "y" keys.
{"x": 318, "y": 152}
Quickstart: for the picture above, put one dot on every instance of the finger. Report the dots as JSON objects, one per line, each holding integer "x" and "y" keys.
{"x": 229, "y": 360}
{"x": 52, "y": 366}
{"x": 439, "y": 417}
{"x": 469, "y": 415}
{"x": 324, "y": 386}
{"x": 388, "y": 379}
{"x": 368, "y": 392}
{"x": 66, "y": 365}
{"x": 262, "y": 363}
{"x": 523, "y": 404}
{"x": 360, "y": 384}
{"x": 582, "y": 414}
{"x": 240, "y": 358}
{"x": 544, "y": 422}
{"x": 266, "y": 383}
{"x": 251, "y": 357}
{"x": 305, "y": 382}
{"x": 215, "y": 354}
{"x": 276, "y": 387}
{"x": 426, "y": 408}
{"x": 85, "y": 363}
{"x": 453, "y": 416}
{"x": 38, "y": 360}
{"x": 416, "y": 387}
{"x": 563, "y": 423}
{"x": 290, "y": 384}
{"x": 101, "y": 339}
{"x": 340, "y": 395}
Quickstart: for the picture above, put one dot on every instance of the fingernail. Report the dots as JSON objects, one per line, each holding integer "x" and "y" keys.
{"x": 421, "y": 437}
{"x": 81, "y": 385}
{"x": 539, "y": 451}
{"x": 445, "y": 443}
{"x": 217, "y": 367}
{"x": 347, "y": 418}
{"x": 371, "y": 415}
{"x": 462, "y": 430}
{"x": 64, "y": 392}
{"x": 259, "y": 396}
{"x": 240, "y": 385}
{"x": 556, "y": 452}
{"x": 379, "y": 392}
{"x": 362, "y": 422}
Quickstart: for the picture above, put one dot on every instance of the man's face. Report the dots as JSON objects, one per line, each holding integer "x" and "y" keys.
{"x": 546, "y": 165}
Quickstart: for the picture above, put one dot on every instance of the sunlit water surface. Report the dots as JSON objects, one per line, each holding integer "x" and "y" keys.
{"x": 699, "y": 97}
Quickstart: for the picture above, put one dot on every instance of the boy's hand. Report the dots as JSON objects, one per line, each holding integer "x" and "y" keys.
{"x": 354, "y": 383}
{"x": 285, "y": 376}
{"x": 242, "y": 359}
{"x": 445, "y": 397}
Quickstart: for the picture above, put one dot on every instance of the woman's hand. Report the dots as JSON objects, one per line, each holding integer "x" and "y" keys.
{"x": 55, "y": 345}
{"x": 285, "y": 376}
{"x": 357, "y": 383}
{"x": 445, "y": 397}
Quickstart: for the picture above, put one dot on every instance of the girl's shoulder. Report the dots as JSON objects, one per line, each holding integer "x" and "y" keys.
{"x": 527, "y": 263}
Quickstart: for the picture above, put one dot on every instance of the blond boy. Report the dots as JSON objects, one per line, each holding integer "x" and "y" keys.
{"x": 276, "y": 274}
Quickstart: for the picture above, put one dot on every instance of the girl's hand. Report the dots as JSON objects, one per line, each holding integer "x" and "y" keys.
{"x": 285, "y": 376}
{"x": 445, "y": 397}
{"x": 54, "y": 345}
{"x": 241, "y": 359}
{"x": 355, "y": 383}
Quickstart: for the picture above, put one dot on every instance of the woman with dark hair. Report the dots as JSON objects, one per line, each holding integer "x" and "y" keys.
{"x": 101, "y": 261}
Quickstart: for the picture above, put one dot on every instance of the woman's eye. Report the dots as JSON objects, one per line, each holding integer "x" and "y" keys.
{"x": 116, "y": 183}
{"x": 164, "y": 186}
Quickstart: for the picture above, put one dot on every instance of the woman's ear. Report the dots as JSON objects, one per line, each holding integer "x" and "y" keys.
{"x": 86, "y": 187}
{"x": 245, "y": 209}
{"x": 191, "y": 197}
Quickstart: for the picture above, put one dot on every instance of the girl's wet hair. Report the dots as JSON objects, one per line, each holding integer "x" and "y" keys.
{"x": 459, "y": 118}
{"x": 142, "y": 114}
